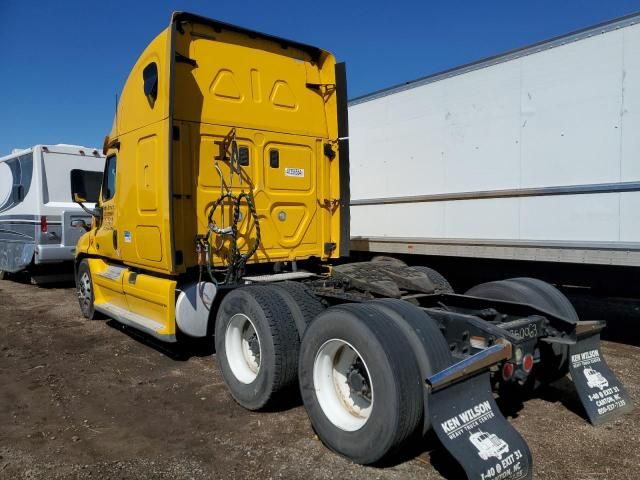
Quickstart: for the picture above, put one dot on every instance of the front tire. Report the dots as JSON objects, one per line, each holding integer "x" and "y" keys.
{"x": 360, "y": 382}
{"x": 84, "y": 288}
{"x": 257, "y": 345}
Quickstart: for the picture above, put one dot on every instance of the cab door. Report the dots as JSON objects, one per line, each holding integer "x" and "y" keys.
{"x": 107, "y": 232}
{"x": 108, "y": 275}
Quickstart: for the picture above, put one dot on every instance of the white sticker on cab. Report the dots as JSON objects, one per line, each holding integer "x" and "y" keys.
{"x": 294, "y": 172}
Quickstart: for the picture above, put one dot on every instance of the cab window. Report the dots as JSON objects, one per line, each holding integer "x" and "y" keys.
{"x": 109, "y": 179}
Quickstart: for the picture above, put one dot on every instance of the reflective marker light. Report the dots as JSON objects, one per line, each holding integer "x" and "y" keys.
{"x": 527, "y": 362}
{"x": 43, "y": 224}
{"x": 507, "y": 370}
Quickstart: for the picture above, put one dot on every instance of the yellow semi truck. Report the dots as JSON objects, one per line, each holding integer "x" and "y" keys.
{"x": 224, "y": 213}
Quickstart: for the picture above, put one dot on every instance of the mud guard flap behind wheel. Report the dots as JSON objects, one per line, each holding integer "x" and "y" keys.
{"x": 601, "y": 393}
{"x": 470, "y": 426}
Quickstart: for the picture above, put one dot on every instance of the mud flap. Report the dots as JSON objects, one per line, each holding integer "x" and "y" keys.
{"x": 470, "y": 426}
{"x": 600, "y": 391}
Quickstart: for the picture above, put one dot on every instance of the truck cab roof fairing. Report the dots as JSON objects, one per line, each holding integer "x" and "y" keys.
{"x": 179, "y": 17}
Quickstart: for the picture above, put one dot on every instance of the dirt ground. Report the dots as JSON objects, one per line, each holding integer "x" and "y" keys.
{"x": 89, "y": 399}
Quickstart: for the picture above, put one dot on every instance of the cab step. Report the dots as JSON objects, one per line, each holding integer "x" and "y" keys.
{"x": 134, "y": 320}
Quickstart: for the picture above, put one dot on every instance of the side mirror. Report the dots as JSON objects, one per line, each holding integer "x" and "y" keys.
{"x": 85, "y": 187}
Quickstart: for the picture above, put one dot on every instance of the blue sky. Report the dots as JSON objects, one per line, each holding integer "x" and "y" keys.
{"x": 63, "y": 61}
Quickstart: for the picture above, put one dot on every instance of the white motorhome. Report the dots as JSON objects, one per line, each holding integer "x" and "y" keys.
{"x": 36, "y": 208}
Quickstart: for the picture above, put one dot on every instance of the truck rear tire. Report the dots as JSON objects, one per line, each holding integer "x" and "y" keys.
{"x": 554, "y": 358}
{"x": 427, "y": 342}
{"x": 302, "y": 303}
{"x": 360, "y": 382}
{"x": 257, "y": 345}
{"x": 438, "y": 280}
{"x": 84, "y": 288}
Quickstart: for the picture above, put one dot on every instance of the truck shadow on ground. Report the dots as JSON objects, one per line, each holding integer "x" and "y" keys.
{"x": 563, "y": 391}
{"x": 41, "y": 281}
{"x": 187, "y": 347}
{"x": 181, "y": 351}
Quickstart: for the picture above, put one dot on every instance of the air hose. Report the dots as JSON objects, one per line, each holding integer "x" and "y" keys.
{"x": 237, "y": 259}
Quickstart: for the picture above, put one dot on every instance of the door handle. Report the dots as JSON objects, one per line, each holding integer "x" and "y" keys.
{"x": 115, "y": 239}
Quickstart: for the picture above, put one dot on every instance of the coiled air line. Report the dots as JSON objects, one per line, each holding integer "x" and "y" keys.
{"x": 237, "y": 259}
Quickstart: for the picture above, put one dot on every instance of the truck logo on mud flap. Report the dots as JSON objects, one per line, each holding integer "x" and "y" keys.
{"x": 595, "y": 379}
{"x": 488, "y": 445}
{"x": 599, "y": 390}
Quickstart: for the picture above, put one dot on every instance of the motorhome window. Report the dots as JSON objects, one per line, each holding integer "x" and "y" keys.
{"x": 150, "y": 77}
{"x": 109, "y": 183}
{"x": 15, "y": 180}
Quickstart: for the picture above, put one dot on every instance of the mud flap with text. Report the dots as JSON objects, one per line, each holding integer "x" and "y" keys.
{"x": 470, "y": 426}
{"x": 600, "y": 391}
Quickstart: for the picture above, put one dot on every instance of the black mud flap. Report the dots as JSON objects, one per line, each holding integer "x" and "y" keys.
{"x": 600, "y": 391}
{"x": 469, "y": 424}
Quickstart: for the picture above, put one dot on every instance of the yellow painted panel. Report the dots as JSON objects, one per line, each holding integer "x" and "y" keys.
{"x": 134, "y": 110}
{"x": 107, "y": 283}
{"x": 153, "y": 298}
{"x": 295, "y": 171}
{"x": 292, "y": 222}
{"x": 147, "y": 172}
{"x": 265, "y": 86}
{"x": 224, "y": 86}
{"x": 148, "y": 242}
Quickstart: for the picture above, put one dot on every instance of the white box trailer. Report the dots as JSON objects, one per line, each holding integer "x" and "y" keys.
{"x": 36, "y": 208}
{"x": 531, "y": 155}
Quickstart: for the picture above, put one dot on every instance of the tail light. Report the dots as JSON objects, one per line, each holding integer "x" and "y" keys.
{"x": 44, "y": 227}
{"x": 527, "y": 362}
{"x": 507, "y": 370}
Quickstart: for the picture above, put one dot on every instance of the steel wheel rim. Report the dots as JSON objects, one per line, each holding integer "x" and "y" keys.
{"x": 242, "y": 348}
{"x": 343, "y": 385}
{"x": 84, "y": 290}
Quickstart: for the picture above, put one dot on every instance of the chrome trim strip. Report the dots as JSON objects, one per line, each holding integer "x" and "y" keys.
{"x": 470, "y": 366}
{"x": 507, "y": 193}
{"x": 598, "y": 29}
{"x": 483, "y": 242}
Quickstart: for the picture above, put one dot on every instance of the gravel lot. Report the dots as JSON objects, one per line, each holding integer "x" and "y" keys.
{"x": 81, "y": 399}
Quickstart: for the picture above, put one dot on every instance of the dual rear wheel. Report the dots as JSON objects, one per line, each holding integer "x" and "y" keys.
{"x": 360, "y": 367}
{"x": 257, "y": 339}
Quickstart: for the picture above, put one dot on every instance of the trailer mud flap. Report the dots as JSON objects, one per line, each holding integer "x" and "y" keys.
{"x": 470, "y": 426}
{"x": 600, "y": 391}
